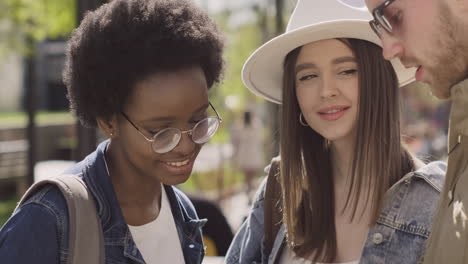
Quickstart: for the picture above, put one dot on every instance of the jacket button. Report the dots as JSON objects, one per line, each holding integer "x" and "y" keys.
{"x": 377, "y": 238}
{"x": 191, "y": 246}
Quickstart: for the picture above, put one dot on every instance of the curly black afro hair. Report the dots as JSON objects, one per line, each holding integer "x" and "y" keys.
{"x": 124, "y": 41}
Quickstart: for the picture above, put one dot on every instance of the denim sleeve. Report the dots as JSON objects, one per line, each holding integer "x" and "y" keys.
{"x": 246, "y": 248}
{"x": 30, "y": 236}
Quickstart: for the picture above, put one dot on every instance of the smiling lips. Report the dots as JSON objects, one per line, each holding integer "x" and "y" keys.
{"x": 332, "y": 113}
{"x": 179, "y": 167}
{"x": 178, "y": 163}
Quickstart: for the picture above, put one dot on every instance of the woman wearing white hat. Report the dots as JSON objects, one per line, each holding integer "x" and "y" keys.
{"x": 345, "y": 188}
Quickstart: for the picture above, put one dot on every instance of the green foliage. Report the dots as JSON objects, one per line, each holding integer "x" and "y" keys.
{"x": 6, "y": 208}
{"x": 240, "y": 43}
{"x": 34, "y": 20}
{"x": 20, "y": 119}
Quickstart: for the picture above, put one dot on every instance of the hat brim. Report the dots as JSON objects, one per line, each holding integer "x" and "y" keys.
{"x": 263, "y": 71}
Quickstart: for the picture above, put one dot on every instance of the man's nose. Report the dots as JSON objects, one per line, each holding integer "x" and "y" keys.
{"x": 391, "y": 47}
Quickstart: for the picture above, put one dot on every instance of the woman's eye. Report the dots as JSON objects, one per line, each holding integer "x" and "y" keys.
{"x": 348, "y": 72}
{"x": 307, "y": 77}
{"x": 194, "y": 122}
{"x": 197, "y": 119}
{"x": 154, "y": 131}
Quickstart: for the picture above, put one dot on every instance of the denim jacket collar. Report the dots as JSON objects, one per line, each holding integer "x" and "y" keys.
{"x": 95, "y": 174}
{"x": 430, "y": 173}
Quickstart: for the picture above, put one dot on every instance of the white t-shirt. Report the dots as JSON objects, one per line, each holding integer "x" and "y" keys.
{"x": 158, "y": 240}
{"x": 289, "y": 257}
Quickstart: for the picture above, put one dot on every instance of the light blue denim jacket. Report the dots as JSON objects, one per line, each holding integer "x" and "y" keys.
{"x": 399, "y": 236}
{"x": 38, "y": 231}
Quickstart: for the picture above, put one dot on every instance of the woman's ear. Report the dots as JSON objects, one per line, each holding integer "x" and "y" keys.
{"x": 108, "y": 127}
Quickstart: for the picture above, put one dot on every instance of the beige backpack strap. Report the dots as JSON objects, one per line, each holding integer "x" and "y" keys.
{"x": 86, "y": 241}
{"x": 272, "y": 204}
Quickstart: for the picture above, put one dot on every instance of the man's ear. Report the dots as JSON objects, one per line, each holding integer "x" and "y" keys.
{"x": 108, "y": 127}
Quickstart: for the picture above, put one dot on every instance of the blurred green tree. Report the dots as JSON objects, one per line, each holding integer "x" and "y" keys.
{"x": 242, "y": 40}
{"x": 231, "y": 95}
{"x": 23, "y": 22}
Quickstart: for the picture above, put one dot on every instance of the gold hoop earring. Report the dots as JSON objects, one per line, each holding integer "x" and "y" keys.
{"x": 302, "y": 121}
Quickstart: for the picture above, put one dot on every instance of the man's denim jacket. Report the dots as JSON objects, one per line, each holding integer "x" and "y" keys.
{"x": 38, "y": 231}
{"x": 399, "y": 236}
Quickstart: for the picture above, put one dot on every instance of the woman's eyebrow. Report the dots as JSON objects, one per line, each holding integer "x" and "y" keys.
{"x": 343, "y": 60}
{"x": 310, "y": 65}
{"x": 303, "y": 66}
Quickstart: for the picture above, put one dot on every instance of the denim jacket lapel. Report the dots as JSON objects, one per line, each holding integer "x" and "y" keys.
{"x": 188, "y": 227}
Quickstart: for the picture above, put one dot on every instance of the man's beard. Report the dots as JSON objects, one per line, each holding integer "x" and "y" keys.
{"x": 450, "y": 62}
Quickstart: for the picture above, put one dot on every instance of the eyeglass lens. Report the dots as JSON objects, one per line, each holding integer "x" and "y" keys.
{"x": 384, "y": 23}
{"x": 167, "y": 139}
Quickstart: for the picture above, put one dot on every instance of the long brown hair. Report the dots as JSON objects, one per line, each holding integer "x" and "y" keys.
{"x": 379, "y": 159}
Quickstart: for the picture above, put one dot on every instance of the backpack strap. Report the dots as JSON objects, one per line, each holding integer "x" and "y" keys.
{"x": 86, "y": 241}
{"x": 272, "y": 207}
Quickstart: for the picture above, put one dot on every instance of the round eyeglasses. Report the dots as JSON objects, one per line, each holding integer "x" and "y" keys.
{"x": 167, "y": 139}
{"x": 380, "y": 22}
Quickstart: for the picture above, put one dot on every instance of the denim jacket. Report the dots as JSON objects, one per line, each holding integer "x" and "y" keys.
{"x": 37, "y": 232}
{"x": 399, "y": 236}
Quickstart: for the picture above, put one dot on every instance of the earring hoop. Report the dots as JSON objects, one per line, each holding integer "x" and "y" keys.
{"x": 302, "y": 121}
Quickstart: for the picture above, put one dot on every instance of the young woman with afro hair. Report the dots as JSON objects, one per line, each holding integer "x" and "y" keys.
{"x": 140, "y": 70}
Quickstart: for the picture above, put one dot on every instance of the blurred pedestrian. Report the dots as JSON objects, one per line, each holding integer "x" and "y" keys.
{"x": 249, "y": 152}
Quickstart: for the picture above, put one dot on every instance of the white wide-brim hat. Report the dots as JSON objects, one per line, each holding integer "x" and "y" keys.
{"x": 312, "y": 20}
